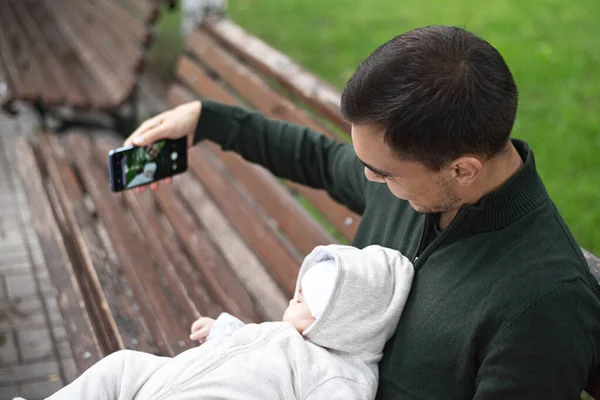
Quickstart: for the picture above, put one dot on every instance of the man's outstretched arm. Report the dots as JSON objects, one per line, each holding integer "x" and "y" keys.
{"x": 287, "y": 150}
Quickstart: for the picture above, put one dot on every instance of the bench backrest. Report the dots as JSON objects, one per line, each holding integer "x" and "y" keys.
{"x": 224, "y": 63}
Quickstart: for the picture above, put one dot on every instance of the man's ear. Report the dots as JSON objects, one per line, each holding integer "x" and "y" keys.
{"x": 466, "y": 169}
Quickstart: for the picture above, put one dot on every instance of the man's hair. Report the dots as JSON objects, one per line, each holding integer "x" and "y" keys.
{"x": 437, "y": 93}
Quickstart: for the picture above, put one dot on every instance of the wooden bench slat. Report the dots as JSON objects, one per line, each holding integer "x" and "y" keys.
{"x": 109, "y": 290}
{"x": 302, "y": 230}
{"x": 94, "y": 95}
{"x": 101, "y": 86}
{"x": 281, "y": 258}
{"x": 33, "y": 55}
{"x": 120, "y": 16}
{"x": 117, "y": 81}
{"x": 221, "y": 281}
{"x": 147, "y": 222}
{"x": 273, "y": 105}
{"x": 16, "y": 66}
{"x": 70, "y": 203}
{"x": 260, "y": 284}
{"x": 59, "y": 76}
{"x": 95, "y": 65}
{"x": 147, "y": 9}
{"x": 183, "y": 279}
{"x": 87, "y": 24}
{"x": 155, "y": 305}
{"x": 128, "y": 50}
{"x": 82, "y": 338}
{"x": 321, "y": 96}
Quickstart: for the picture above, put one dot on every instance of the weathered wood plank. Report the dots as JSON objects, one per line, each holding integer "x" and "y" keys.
{"x": 246, "y": 218}
{"x": 138, "y": 28}
{"x": 16, "y": 69}
{"x": 118, "y": 84}
{"x": 93, "y": 95}
{"x": 156, "y": 303}
{"x": 273, "y": 105}
{"x": 183, "y": 279}
{"x": 34, "y": 55}
{"x": 300, "y": 228}
{"x": 82, "y": 336}
{"x": 269, "y": 246}
{"x": 260, "y": 284}
{"x": 107, "y": 88}
{"x": 129, "y": 51}
{"x": 48, "y": 57}
{"x": 107, "y": 287}
{"x": 86, "y": 24}
{"x": 222, "y": 283}
{"x": 147, "y": 10}
{"x": 318, "y": 94}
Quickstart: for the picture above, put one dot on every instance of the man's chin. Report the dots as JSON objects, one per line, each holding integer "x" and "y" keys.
{"x": 420, "y": 208}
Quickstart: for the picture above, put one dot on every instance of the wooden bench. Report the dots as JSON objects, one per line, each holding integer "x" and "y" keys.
{"x": 82, "y": 54}
{"x": 225, "y": 236}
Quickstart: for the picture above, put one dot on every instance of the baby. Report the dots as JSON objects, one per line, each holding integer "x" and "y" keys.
{"x": 144, "y": 177}
{"x": 346, "y": 306}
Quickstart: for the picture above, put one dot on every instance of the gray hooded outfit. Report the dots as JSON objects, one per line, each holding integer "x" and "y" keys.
{"x": 335, "y": 358}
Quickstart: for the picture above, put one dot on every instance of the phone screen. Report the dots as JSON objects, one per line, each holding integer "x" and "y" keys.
{"x": 137, "y": 166}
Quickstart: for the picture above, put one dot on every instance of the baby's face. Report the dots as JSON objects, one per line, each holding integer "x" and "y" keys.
{"x": 298, "y": 314}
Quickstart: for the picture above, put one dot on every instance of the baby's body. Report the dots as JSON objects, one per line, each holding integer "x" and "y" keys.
{"x": 332, "y": 356}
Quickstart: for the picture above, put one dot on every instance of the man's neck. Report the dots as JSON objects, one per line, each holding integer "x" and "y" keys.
{"x": 499, "y": 172}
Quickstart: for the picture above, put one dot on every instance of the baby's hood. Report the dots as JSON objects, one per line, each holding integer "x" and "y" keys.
{"x": 371, "y": 288}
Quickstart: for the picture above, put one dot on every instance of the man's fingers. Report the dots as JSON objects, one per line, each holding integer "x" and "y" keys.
{"x": 151, "y": 135}
{"x": 154, "y": 186}
{"x": 146, "y": 125}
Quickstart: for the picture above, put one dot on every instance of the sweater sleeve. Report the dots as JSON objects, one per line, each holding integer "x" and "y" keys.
{"x": 546, "y": 351}
{"x": 287, "y": 150}
{"x": 341, "y": 389}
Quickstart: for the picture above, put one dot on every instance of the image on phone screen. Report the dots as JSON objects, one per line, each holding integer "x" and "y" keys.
{"x": 138, "y": 166}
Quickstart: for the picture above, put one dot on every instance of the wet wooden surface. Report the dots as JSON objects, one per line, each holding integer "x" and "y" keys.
{"x": 36, "y": 357}
{"x": 85, "y": 54}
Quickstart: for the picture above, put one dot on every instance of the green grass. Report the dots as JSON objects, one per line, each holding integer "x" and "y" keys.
{"x": 551, "y": 46}
{"x": 167, "y": 45}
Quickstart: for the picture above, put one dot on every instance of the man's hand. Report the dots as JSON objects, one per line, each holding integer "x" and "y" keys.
{"x": 201, "y": 328}
{"x": 179, "y": 122}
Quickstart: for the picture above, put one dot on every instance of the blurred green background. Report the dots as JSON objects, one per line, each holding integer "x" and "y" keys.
{"x": 551, "y": 46}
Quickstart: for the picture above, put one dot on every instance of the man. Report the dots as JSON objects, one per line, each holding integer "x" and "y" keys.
{"x": 503, "y": 305}
{"x": 152, "y": 151}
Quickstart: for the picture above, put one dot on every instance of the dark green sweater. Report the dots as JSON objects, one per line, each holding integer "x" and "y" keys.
{"x": 502, "y": 306}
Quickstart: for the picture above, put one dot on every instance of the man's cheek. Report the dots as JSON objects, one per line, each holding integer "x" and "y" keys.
{"x": 398, "y": 191}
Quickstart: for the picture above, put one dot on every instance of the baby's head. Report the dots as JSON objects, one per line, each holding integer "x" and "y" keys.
{"x": 312, "y": 297}
{"x": 149, "y": 169}
{"x": 343, "y": 287}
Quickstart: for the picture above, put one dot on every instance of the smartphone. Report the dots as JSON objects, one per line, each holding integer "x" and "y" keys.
{"x": 132, "y": 167}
